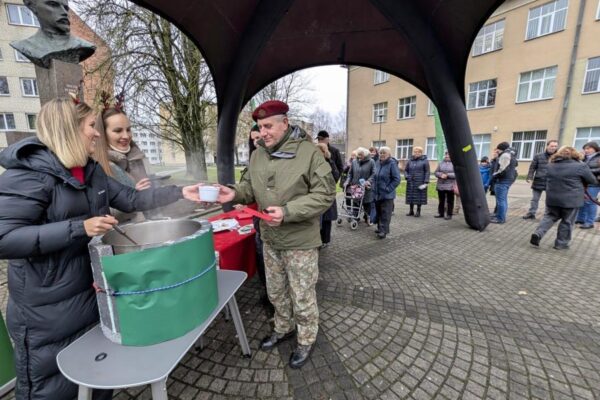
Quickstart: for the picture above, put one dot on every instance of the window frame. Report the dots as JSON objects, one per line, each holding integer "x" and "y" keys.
{"x": 385, "y": 77}
{"x": 378, "y": 143}
{"x": 431, "y": 108}
{"x": 3, "y": 116}
{"x": 598, "y": 12}
{"x": 409, "y": 146}
{"x": 478, "y": 92}
{"x": 22, "y": 60}
{"x": 493, "y": 38}
{"x": 7, "y": 94}
{"x": 586, "y": 75}
{"x": 537, "y": 145}
{"x": 34, "y": 86}
{"x": 27, "y": 115}
{"x": 20, "y": 8}
{"x": 554, "y": 12}
{"x": 543, "y": 80}
{"x": 589, "y": 138}
{"x": 377, "y": 113}
{"x": 412, "y": 107}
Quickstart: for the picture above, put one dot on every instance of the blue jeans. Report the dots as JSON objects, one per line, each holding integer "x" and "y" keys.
{"x": 501, "y": 190}
{"x": 587, "y": 213}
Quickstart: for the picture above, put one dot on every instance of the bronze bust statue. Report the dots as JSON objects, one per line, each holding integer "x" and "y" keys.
{"x": 53, "y": 40}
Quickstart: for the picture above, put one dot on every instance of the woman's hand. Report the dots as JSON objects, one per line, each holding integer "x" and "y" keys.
{"x": 191, "y": 192}
{"x": 143, "y": 184}
{"x": 99, "y": 225}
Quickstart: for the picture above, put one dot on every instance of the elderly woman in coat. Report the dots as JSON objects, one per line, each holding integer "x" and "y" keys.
{"x": 331, "y": 213}
{"x": 53, "y": 199}
{"x": 566, "y": 177}
{"x": 386, "y": 180}
{"x": 363, "y": 169}
{"x": 445, "y": 187}
{"x": 417, "y": 179}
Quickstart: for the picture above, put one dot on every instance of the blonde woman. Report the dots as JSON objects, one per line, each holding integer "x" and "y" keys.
{"x": 565, "y": 180}
{"x": 53, "y": 199}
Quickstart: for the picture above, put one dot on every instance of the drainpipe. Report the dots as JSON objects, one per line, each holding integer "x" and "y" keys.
{"x": 569, "y": 87}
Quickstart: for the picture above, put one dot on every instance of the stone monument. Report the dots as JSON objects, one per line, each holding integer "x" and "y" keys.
{"x": 54, "y": 51}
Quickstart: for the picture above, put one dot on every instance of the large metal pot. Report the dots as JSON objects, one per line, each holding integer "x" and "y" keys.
{"x": 150, "y": 234}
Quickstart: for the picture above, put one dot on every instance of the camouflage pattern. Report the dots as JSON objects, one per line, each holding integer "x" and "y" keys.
{"x": 291, "y": 279}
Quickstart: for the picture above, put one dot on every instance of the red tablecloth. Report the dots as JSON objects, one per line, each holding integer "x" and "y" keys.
{"x": 236, "y": 252}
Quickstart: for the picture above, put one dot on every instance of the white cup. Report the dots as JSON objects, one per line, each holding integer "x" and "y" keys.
{"x": 208, "y": 194}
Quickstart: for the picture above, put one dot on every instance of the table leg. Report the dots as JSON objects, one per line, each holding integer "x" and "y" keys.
{"x": 226, "y": 312}
{"x": 85, "y": 393}
{"x": 159, "y": 390}
{"x": 239, "y": 326}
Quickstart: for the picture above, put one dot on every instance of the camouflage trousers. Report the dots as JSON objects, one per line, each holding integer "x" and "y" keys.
{"x": 291, "y": 279}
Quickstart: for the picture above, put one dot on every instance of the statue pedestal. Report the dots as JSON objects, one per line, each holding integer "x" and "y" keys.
{"x": 59, "y": 80}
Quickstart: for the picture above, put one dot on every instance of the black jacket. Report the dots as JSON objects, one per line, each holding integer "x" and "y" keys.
{"x": 565, "y": 181}
{"x": 537, "y": 170}
{"x": 51, "y": 301}
{"x": 594, "y": 163}
{"x": 336, "y": 157}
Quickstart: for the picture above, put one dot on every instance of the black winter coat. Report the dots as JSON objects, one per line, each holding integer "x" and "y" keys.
{"x": 537, "y": 171}
{"x": 337, "y": 160}
{"x": 565, "y": 181}
{"x": 51, "y": 300}
{"x": 331, "y": 214}
{"x": 594, "y": 163}
{"x": 416, "y": 173}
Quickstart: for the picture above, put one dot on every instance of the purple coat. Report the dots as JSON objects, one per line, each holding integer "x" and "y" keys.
{"x": 445, "y": 167}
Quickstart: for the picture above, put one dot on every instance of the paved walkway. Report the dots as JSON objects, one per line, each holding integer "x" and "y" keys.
{"x": 434, "y": 311}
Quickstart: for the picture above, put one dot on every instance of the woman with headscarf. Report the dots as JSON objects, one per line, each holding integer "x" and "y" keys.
{"x": 445, "y": 187}
{"x": 416, "y": 174}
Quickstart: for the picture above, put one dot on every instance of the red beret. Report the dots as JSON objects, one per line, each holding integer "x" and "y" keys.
{"x": 270, "y": 108}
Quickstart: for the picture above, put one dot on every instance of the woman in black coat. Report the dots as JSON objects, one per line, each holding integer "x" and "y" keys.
{"x": 417, "y": 177}
{"x": 331, "y": 214}
{"x": 53, "y": 199}
{"x": 565, "y": 179}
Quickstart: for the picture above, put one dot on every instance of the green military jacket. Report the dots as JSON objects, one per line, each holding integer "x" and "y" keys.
{"x": 292, "y": 174}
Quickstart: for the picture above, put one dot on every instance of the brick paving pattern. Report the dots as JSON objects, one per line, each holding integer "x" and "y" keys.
{"x": 436, "y": 310}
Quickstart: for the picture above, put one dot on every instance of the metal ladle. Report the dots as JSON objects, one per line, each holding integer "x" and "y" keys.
{"x": 122, "y": 232}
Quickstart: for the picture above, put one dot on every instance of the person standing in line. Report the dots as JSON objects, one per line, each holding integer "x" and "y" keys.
{"x": 484, "y": 171}
{"x": 537, "y": 174}
{"x": 445, "y": 187}
{"x": 504, "y": 176}
{"x": 386, "y": 180}
{"x": 565, "y": 180}
{"x": 587, "y": 213}
{"x": 336, "y": 157}
{"x": 362, "y": 170}
{"x": 331, "y": 214}
{"x": 416, "y": 174}
{"x": 292, "y": 182}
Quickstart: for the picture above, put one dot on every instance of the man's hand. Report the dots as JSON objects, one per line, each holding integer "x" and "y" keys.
{"x": 143, "y": 184}
{"x": 99, "y": 225}
{"x": 226, "y": 194}
{"x": 277, "y": 214}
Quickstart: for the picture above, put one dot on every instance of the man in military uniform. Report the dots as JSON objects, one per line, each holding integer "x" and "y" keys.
{"x": 289, "y": 179}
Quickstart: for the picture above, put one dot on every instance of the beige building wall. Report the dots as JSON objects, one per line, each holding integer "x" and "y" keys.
{"x": 517, "y": 55}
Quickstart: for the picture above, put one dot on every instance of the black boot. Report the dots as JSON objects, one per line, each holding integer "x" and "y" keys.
{"x": 411, "y": 212}
{"x": 300, "y": 356}
{"x": 418, "y": 213}
{"x": 274, "y": 339}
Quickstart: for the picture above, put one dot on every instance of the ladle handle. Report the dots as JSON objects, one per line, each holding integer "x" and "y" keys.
{"x": 122, "y": 232}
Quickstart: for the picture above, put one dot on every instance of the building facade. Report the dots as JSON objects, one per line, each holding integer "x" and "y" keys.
{"x": 150, "y": 144}
{"x": 532, "y": 76}
{"x": 19, "y": 96}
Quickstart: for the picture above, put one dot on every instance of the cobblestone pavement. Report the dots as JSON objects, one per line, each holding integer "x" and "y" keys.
{"x": 436, "y": 310}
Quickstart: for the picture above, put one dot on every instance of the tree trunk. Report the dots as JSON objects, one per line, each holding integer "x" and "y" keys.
{"x": 198, "y": 166}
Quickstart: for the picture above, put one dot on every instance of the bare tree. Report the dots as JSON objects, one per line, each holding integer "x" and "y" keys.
{"x": 293, "y": 89}
{"x": 168, "y": 86}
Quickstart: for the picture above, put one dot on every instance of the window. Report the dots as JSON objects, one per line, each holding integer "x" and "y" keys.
{"x": 482, "y": 145}
{"x": 144, "y": 143}
{"x": 0, "y": 54}
{"x": 29, "y": 87}
{"x": 153, "y": 151}
{"x": 31, "y": 120}
{"x": 528, "y": 143}
{"x": 19, "y": 57}
{"x": 152, "y": 143}
{"x": 381, "y": 77}
{"x": 404, "y": 149}
{"x": 585, "y": 135}
{"x": 21, "y": 15}
{"x": 598, "y": 12}
{"x": 548, "y": 18}
{"x": 592, "y": 76}
{"x": 4, "y": 91}
{"x": 431, "y": 110}
{"x": 7, "y": 122}
{"x": 431, "y": 148}
{"x": 378, "y": 144}
{"x": 407, "y": 107}
{"x": 380, "y": 112}
{"x": 537, "y": 85}
{"x": 489, "y": 38}
{"x": 482, "y": 94}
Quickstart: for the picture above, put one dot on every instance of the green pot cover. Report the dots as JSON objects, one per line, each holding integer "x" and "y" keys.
{"x": 163, "y": 293}
{"x": 7, "y": 364}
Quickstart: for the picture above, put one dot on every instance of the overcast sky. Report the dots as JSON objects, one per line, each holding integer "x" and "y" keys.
{"x": 328, "y": 88}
